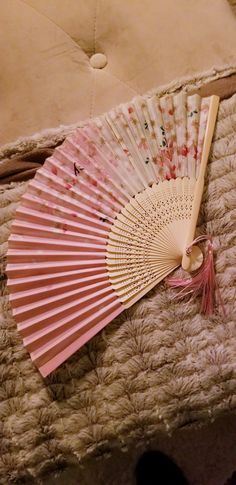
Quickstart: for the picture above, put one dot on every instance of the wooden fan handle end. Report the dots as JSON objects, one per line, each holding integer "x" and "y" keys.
{"x": 213, "y": 109}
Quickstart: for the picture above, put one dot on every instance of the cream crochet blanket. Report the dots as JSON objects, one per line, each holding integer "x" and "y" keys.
{"x": 158, "y": 367}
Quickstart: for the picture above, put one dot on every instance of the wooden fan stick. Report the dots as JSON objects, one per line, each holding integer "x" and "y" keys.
{"x": 213, "y": 109}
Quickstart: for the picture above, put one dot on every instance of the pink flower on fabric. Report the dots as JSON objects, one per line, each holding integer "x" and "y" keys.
{"x": 113, "y": 161}
{"x": 92, "y": 150}
{"x": 183, "y": 150}
{"x": 195, "y": 123}
{"x": 143, "y": 144}
{"x": 178, "y": 121}
{"x": 193, "y": 150}
{"x": 54, "y": 170}
{"x": 167, "y": 155}
{"x": 173, "y": 171}
{"x": 171, "y": 174}
{"x": 168, "y": 126}
{"x": 170, "y": 153}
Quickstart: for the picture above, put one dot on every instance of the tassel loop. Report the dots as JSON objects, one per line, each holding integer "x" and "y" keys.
{"x": 203, "y": 281}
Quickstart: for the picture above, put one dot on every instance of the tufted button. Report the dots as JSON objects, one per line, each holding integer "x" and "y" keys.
{"x": 98, "y": 61}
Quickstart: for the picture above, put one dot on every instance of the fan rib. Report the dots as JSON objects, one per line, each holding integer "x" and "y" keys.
{"x": 84, "y": 187}
{"x": 68, "y": 330}
{"x": 65, "y": 312}
{"x": 155, "y": 224}
{"x": 82, "y": 210}
{"x": 22, "y": 228}
{"x": 51, "y": 363}
{"x": 51, "y": 301}
{"x": 16, "y": 283}
{"x": 109, "y": 169}
{"x": 23, "y": 269}
{"x": 25, "y": 296}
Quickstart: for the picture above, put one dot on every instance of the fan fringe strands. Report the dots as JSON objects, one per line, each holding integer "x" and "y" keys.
{"x": 107, "y": 217}
{"x": 202, "y": 281}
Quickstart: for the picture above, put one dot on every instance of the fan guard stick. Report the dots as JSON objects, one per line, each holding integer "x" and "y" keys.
{"x": 214, "y": 104}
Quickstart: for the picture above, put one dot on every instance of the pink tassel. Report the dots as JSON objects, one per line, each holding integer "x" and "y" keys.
{"x": 202, "y": 282}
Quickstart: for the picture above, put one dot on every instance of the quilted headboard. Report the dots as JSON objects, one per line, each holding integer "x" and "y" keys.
{"x": 64, "y": 61}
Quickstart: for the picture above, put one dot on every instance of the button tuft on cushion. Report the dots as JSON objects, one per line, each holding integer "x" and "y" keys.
{"x": 98, "y": 61}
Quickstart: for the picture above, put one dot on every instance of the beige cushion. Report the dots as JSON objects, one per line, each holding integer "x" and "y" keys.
{"x": 50, "y": 75}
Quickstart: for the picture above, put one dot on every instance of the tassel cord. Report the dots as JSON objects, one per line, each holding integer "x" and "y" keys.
{"x": 203, "y": 281}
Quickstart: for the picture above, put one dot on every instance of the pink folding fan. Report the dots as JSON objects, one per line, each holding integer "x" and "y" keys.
{"x": 108, "y": 216}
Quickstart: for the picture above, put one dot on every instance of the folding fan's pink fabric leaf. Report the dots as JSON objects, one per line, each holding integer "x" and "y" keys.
{"x": 103, "y": 221}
